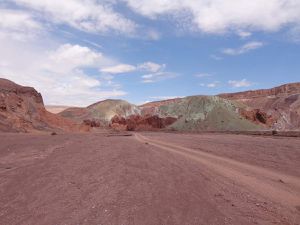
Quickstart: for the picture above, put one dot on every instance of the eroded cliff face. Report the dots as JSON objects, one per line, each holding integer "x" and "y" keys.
{"x": 281, "y": 104}
{"x": 22, "y": 110}
{"x": 281, "y": 91}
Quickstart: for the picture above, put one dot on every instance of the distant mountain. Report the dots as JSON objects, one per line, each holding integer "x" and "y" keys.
{"x": 199, "y": 113}
{"x": 102, "y": 112}
{"x": 270, "y": 109}
{"x": 280, "y": 91}
{"x": 22, "y": 110}
{"x": 56, "y": 108}
{"x": 281, "y": 103}
{"x": 195, "y": 113}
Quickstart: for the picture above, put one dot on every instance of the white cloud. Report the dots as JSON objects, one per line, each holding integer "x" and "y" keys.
{"x": 219, "y": 16}
{"x": 243, "y": 49}
{"x": 57, "y": 72}
{"x": 18, "y": 25}
{"x": 241, "y": 17}
{"x": 244, "y": 34}
{"x": 203, "y": 75}
{"x": 156, "y": 72}
{"x": 211, "y": 85}
{"x": 158, "y": 76}
{"x": 151, "y": 67}
{"x": 239, "y": 83}
{"x": 88, "y": 15}
{"x": 118, "y": 69}
{"x": 155, "y": 69}
{"x": 68, "y": 57}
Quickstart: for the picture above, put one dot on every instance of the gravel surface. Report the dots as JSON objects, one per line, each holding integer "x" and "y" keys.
{"x": 149, "y": 178}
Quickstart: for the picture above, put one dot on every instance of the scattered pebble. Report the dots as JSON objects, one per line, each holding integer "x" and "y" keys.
{"x": 281, "y": 181}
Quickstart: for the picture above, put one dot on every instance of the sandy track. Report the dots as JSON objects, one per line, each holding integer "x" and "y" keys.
{"x": 94, "y": 179}
{"x": 259, "y": 180}
{"x": 263, "y": 181}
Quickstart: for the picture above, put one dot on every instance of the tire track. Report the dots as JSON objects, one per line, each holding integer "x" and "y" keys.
{"x": 259, "y": 180}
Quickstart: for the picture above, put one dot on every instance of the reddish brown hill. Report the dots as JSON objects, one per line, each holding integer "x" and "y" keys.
{"x": 22, "y": 110}
{"x": 281, "y": 91}
{"x": 281, "y": 103}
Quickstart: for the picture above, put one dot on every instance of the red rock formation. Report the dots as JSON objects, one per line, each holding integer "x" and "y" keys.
{"x": 119, "y": 120}
{"x": 281, "y": 104}
{"x": 137, "y": 122}
{"x": 257, "y": 116}
{"x": 92, "y": 123}
{"x": 22, "y": 110}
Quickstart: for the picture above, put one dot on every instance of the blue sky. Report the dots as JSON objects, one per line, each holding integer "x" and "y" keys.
{"x": 79, "y": 52}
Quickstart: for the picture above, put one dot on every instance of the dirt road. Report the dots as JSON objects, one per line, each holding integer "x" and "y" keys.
{"x": 149, "y": 178}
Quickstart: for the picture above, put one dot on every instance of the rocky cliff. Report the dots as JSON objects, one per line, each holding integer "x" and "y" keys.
{"x": 281, "y": 91}
{"x": 281, "y": 103}
{"x": 22, "y": 110}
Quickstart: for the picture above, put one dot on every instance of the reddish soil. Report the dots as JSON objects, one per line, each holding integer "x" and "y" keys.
{"x": 149, "y": 178}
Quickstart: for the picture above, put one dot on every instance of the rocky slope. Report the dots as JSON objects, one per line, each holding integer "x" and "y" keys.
{"x": 199, "y": 113}
{"x": 22, "y": 110}
{"x": 101, "y": 113}
{"x": 195, "y": 113}
{"x": 281, "y": 103}
{"x": 270, "y": 109}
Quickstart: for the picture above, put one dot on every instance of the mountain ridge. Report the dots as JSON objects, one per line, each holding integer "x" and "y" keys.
{"x": 285, "y": 89}
{"x": 22, "y": 110}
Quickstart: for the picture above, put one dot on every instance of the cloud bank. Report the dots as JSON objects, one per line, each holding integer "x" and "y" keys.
{"x": 221, "y": 16}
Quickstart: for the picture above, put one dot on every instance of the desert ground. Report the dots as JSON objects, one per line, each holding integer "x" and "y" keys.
{"x": 149, "y": 178}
